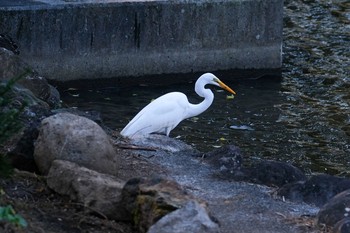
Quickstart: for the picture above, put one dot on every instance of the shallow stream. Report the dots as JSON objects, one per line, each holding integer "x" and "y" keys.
{"x": 302, "y": 117}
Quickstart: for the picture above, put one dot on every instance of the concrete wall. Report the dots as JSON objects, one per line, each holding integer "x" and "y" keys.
{"x": 80, "y": 39}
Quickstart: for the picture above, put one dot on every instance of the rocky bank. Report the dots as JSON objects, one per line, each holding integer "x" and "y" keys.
{"x": 159, "y": 183}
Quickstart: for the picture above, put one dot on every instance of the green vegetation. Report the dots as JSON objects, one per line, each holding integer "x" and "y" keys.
{"x": 8, "y": 214}
{"x": 9, "y": 125}
{"x": 9, "y": 119}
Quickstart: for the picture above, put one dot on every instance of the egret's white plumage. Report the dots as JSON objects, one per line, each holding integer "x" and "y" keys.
{"x": 164, "y": 113}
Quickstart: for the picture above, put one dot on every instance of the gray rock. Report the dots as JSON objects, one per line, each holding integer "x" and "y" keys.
{"x": 99, "y": 192}
{"x": 161, "y": 142}
{"x": 77, "y": 139}
{"x": 31, "y": 111}
{"x": 229, "y": 164}
{"x": 317, "y": 190}
{"x": 7, "y": 42}
{"x": 335, "y": 211}
{"x": 227, "y": 160}
{"x": 343, "y": 226}
{"x": 149, "y": 199}
{"x": 34, "y": 96}
{"x": 274, "y": 173}
{"x": 190, "y": 218}
{"x": 11, "y": 66}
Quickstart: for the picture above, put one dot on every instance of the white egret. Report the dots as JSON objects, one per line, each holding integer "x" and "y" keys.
{"x": 164, "y": 113}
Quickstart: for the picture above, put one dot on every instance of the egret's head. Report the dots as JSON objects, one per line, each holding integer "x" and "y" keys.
{"x": 212, "y": 79}
{"x": 209, "y": 78}
{"x": 223, "y": 86}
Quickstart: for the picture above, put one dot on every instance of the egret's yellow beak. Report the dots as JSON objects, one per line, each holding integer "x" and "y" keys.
{"x": 225, "y": 87}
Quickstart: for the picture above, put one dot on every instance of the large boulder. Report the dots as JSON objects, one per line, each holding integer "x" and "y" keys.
{"x": 77, "y": 139}
{"x": 99, "y": 192}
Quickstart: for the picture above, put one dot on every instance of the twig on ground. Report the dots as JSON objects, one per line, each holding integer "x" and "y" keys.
{"x": 133, "y": 147}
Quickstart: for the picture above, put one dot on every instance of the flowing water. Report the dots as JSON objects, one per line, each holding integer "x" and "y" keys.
{"x": 316, "y": 81}
{"x": 302, "y": 117}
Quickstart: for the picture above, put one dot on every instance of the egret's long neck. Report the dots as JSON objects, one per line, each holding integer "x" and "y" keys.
{"x": 208, "y": 96}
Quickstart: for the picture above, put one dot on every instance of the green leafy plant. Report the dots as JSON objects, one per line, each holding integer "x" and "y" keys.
{"x": 9, "y": 124}
{"x": 8, "y": 214}
{"x": 9, "y": 119}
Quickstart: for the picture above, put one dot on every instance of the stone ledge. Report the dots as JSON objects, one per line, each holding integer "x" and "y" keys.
{"x": 105, "y": 39}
